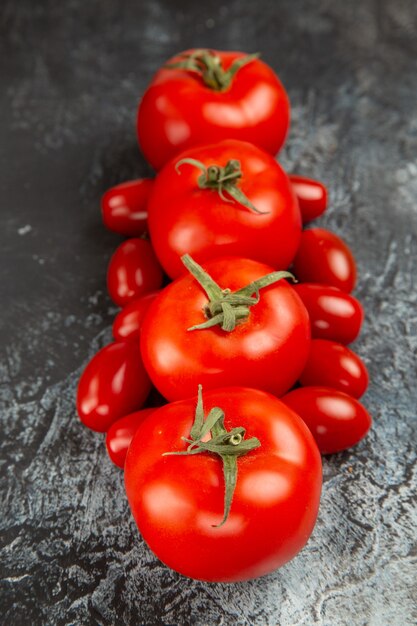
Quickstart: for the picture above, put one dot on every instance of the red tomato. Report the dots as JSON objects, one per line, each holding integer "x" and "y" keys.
{"x": 325, "y": 258}
{"x": 180, "y": 110}
{"x": 336, "y": 420}
{"x": 113, "y": 384}
{"x": 187, "y": 219}
{"x": 331, "y": 364}
{"x": 128, "y": 321}
{"x": 334, "y": 314}
{"x": 178, "y": 501}
{"x": 268, "y": 350}
{"x": 120, "y": 434}
{"x": 123, "y": 207}
{"x": 312, "y": 197}
{"x": 133, "y": 271}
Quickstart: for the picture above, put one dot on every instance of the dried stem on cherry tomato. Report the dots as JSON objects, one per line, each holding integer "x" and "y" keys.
{"x": 228, "y": 444}
{"x": 225, "y": 307}
{"x": 222, "y": 179}
{"x": 209, "y": 67}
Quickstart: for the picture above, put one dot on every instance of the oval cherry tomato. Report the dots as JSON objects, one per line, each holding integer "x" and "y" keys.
{"x": 336, "y": 420}
{"x": 331, "y": 364}
{"x": 180, "y": 110}
{"x": 324, "y": 258}
{"x": 312, "y": 197}
{"x": 133, "y": 271}
{"x": 178, "y": 500}
{"x": 120, "y": 434}
{"x": 334, "y": 314}
{"x": 210, "y": 222}
{"x": 124, "y": 207}
{"x": 113, "y": 384}
{"x": 128, "y": 321}
{"x": 267, "y": 350}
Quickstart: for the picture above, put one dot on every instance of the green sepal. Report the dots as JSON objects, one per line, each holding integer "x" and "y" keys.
{"x": 227, "y": 444}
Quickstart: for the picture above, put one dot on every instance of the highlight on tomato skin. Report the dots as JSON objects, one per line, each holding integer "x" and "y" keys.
{"x": 120, "y": 435}
{"x": 331, "y": 364}
{"x": 324, "y": 258}
{"x": 312, "y": 197}
{"x": 124, "y": 207}
{"x": 334, "y": 314}
{"x": 336, "y": 420}
{"x": 133, "y": 271}
{"x": 178, "y": 500}
{"x": 113, "y": 384}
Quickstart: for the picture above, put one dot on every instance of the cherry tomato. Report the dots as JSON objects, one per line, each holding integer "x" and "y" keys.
{"x": 193, "y": 213}
{"x": 133, "y": 271}
{"x": 120, "y": 434}
{"x": 312, "y": 197}
{"x": 124, "y": 209}
{"x": 267, "y": 349}
{"x": 325, "y": 258}
{"x": 186, "y": 107}
{"x": 113, "y": 384}
{"x": 331, "y": 364}
{"x": 128, "y": 321}
{"x": 334, "y": 314}
{"x": 178, "y": 500}
{"x": 336, "y": 420}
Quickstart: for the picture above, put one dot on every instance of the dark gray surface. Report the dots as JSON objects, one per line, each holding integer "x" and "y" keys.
{"x": 71, "y": 74}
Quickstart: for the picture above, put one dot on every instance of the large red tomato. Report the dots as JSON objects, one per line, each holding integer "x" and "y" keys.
{"x": 242, "y": 205}
{"x": 267, "y": 349}
{"x": 202, "y": 96}
{"x": 180, "y": 501}
{"x": 113, "y": 384}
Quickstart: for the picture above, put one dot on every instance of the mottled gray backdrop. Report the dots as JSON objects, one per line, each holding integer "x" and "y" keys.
{"x": 71, "y": 74}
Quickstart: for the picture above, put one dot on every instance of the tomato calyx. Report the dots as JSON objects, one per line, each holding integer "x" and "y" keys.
{"x": 221, "y": 179}
{"x": 208, "y": 66}
{"x": 227, "y": 308}
{"x": 227, "y": 444}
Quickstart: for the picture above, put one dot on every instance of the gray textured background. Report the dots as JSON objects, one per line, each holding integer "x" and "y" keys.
{"x": 71, "y": 74}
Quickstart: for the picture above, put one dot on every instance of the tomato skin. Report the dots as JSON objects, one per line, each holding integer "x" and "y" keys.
{"x": 312, "y": 197}
{"x": 113, "y": 384}
{"x": 184, "y": 219}
{"x": 177, "y": 500}
{"x": 124, "y": 207}
{"x": 267, "y": 351}
{"x": 325, "y": 258}
{"x": 331, "y": 364}
{"x": 179, "y": 111}
{"x": 128, "y": 321}
{"x": 121, "y": 433}
{"x": 336, "y": 420}
{"x": 333, "y": 313}
{"x": 133, "y": 271}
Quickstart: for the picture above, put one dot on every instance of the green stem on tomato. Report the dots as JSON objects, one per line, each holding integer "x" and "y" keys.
{"x": 226, "y": 308}
{"x": 222, "y": 179}
{"x": 208, "y": 66}
{"x": 228, "y": 445}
